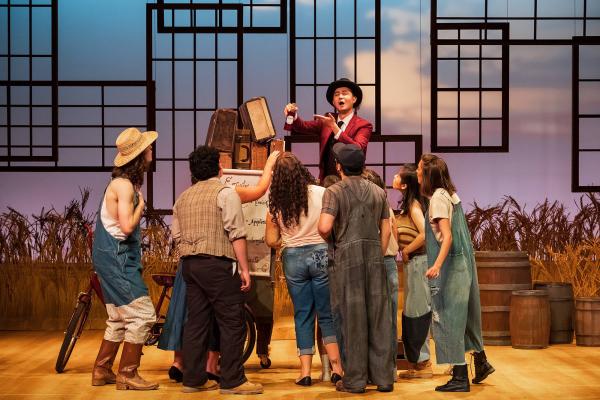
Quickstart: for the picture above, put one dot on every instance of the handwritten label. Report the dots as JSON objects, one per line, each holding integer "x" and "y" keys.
{"x": 255, "y": 212}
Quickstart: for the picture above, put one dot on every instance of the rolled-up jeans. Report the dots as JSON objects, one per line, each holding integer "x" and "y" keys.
{"x": 417, "y": 295}
{"x": 305, "y": 269}
{"x": 391, "y": 268}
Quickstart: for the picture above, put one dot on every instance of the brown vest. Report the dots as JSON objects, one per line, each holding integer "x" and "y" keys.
{"x": 201, "y": 221}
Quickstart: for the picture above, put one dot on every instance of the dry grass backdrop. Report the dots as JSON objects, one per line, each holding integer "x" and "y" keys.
{"x": 45, "y": 259}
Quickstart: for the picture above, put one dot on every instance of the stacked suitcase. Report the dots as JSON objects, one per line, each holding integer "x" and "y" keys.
{"x": 249, "y": 146}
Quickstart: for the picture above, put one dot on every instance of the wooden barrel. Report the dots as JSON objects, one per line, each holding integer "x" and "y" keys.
{"x": 529, "y": 319}
{"x": 499, "y": 274}
{"x": 587, "y": 321}
{"x": 562, "y": 308}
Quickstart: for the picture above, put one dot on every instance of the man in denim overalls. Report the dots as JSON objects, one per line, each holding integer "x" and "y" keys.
{"x": 116, "y": 256}
{"x": 354, "y": 219}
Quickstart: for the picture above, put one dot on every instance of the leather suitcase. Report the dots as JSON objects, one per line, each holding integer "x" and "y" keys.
{"x": 277, "y": 145}
{"x": 221, "y": 130}
{"x": 255, "y": 115}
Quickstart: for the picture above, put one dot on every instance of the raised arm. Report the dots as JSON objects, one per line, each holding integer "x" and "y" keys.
{"x": 251, "y": 193}
{"x": 300, "y": 126}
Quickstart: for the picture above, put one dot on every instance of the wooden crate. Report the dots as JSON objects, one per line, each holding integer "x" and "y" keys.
{"x": 242, "y": 153}
{"x": 226, "y": 160}
{"x": 259, "y": 155}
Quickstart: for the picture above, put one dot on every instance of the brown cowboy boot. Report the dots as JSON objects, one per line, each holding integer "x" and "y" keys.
{"x": 102, "y": 373}
{"x": 128, "y": 377}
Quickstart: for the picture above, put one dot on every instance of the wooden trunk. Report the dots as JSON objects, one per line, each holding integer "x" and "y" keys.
{"x": 529, "y": 319}
{"x": 221, "y": 129}
{"x": 562, "y": 309}
{"x": 499, "y": 273}
{"x": 587, "y": 321}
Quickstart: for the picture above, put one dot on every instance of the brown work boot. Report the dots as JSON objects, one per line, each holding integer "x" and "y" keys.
{"x": 102, "y": 373}
{"x": 128, "y": 377}
{"x": 244, "y": 388}
{"x": 421, "y": 370}
{"x": 206, "y": 386}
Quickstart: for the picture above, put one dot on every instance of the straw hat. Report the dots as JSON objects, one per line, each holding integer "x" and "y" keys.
{"x": 130, "y": 143}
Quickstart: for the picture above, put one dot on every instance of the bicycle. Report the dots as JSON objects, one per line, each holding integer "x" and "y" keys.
{"x": 84, "y": 304}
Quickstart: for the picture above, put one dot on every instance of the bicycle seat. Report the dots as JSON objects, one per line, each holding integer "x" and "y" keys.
{"x": 164, "y": 279}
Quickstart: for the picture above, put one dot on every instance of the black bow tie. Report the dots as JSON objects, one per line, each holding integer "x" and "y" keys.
{"x": 340, "y": 123}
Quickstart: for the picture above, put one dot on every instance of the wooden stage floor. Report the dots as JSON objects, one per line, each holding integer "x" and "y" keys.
{"x": 27, "y": 372}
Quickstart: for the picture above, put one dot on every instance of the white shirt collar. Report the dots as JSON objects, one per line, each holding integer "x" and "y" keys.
{"x": 347, "y": 119}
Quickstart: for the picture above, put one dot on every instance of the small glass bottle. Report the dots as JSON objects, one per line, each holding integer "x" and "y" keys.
{"x": 289, "y": 119}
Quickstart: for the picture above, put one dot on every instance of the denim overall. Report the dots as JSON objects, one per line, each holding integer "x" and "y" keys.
{"x": 118, "y": 264}
{"x": 360, "y": 298}
{"x": 456, "y": 319}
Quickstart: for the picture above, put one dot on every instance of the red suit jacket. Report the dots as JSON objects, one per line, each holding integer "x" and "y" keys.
{"x": 358, "y": 132}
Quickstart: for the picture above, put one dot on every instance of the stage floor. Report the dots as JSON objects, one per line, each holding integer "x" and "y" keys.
{"x": 27, "y": 372}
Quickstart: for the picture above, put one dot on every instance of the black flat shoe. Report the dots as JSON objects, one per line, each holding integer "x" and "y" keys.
{"x": 335, "y": 378}
{"x": 306, "y": 381}
{"x": 213, "y": 377}
{"x": 175, "y": 374}
{"x": 385, "y": 388}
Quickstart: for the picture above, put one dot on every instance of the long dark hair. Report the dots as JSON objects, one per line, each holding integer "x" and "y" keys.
{"x": 134, "y": 170}
{"x": 288, "y": 195}
{"x": 412, "y": 193}
{"x": 435, "y": 175}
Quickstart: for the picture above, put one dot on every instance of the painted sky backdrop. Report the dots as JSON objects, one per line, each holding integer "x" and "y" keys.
{"x": 105, "y": 40}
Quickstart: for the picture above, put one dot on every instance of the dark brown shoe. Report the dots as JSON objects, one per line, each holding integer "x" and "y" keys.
{"x": 128, "y": 377}
{"x": 102, "y": 373}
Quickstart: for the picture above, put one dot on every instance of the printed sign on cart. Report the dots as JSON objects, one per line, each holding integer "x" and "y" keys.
{"x": 255, "y": 212}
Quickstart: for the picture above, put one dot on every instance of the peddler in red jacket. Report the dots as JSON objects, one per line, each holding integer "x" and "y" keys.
{"x": 345, "y": 126}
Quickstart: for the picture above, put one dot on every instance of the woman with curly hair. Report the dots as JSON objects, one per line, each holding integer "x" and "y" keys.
{"x": 294, "y": 209}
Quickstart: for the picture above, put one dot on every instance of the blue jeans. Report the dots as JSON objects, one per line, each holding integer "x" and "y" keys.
{"x": 391, "y": 268}
{"x": 305, "y": 269}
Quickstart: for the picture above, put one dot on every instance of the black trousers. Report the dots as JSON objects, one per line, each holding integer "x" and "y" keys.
{"x": 260, "y": 300}
{"x": 212, "y": 289}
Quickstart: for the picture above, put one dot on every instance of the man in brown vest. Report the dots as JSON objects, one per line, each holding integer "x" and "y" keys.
{"x": 209, "y": 229}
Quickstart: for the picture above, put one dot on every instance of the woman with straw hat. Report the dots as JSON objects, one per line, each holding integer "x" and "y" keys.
{"x": 116, "y": 256}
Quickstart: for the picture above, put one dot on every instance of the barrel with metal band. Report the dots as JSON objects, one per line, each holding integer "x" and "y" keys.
{"x": 499, "y": 274}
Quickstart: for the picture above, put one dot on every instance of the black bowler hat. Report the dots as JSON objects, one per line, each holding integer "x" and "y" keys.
{"x": 350, "y": 156}
{"x": 344, "y": 82}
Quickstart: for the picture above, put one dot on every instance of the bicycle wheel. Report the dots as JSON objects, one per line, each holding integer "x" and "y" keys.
{"x": 250, "y": 336}
{"x": 72, "y": 334}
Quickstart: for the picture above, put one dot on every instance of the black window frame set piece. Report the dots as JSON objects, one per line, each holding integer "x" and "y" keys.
{"x": 483, "y": 24}
{"x": 238, "y": 29}
{"x": 377, "y": 136}
{"x": 52, "y": 163}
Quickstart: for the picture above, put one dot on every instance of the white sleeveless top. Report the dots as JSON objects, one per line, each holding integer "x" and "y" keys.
{"x": 112, "y": 226}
